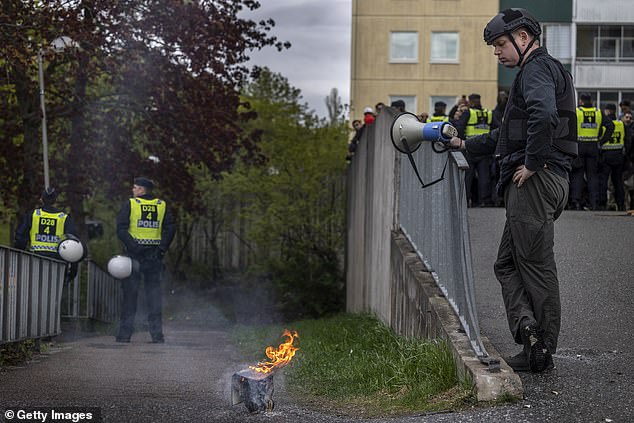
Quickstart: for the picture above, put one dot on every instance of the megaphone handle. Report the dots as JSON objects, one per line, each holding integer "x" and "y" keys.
{"x": 413, "y": 163}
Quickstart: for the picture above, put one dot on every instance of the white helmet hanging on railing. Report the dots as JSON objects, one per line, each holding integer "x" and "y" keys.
{"x": 120, "y": 267}
{"x": 70, "y": 249}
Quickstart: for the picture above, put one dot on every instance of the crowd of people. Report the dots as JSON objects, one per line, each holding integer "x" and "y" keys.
{"x": 602, "y": 176}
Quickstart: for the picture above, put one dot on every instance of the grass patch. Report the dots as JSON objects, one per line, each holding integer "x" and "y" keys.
{"x": 16, "y": 353}
{"x": 355, "y": 364}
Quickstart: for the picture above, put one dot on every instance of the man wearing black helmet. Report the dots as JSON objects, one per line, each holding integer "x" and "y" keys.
{"x": 536, "y": 144}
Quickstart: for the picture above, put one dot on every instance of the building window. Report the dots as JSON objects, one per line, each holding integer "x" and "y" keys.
{"x": 605, "y": 43}
{"x": 607, "y": 97}
{"x": 410, "y": 101}
{"x": 558, "y": 41}
{"x": 445, "y": 47}
{"x": 404, "y": 47}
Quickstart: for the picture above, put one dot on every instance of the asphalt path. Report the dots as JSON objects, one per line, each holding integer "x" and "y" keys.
{"x": 187, "y": 378}
{"x": 594, "y": 378}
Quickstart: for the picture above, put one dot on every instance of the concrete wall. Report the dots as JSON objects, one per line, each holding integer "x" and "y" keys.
{"x": 371, "y": 209}
{"x": 420, "y": 310}
{"x": 384, "y": 274}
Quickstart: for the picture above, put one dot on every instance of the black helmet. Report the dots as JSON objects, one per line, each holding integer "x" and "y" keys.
{"x": 508, "y": 21}
{"x": 49, "y": 195}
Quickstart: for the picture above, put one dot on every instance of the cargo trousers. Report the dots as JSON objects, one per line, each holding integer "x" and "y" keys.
{"x": 525, "y": 265}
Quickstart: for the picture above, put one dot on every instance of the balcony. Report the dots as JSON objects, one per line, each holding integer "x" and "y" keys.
{"x": 608, "y": 75}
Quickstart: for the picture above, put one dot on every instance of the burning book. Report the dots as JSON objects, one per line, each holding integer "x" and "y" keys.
{"x": 254, "y": 386}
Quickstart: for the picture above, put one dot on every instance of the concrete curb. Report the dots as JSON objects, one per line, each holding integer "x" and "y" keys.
{"x": 419, "y": 309}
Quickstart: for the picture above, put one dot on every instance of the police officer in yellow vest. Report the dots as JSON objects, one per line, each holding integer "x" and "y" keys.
{"x": 146, "y": 228}
{"x": 439, "y": 113}
{"x": 473, "y": 122}
{"x": 593, "y": 129}
{"x": 612, "y": 162}
{"x": 42, "y": 229}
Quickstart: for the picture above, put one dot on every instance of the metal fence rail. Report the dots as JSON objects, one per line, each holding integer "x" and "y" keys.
{"x": 434, "y": 219}
{"x": 384, "y": 195}
{"x": 33, "y": 297}
{"x": 93, "y": 294}
{"x": 30, "y": 295}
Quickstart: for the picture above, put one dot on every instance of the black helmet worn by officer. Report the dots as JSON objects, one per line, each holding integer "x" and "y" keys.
{"x": 508, "y": 21}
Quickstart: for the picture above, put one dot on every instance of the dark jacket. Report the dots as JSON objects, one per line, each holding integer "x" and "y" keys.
{"x": 626, "y": 137}
{"x": 463, "y": 120}
{"x": 629, "y": 150}
{"x": 135, "y": 250}
{"x": 496, "y": 116}
{"x": 533, "y": 119}
{"x": 608, "y": 128}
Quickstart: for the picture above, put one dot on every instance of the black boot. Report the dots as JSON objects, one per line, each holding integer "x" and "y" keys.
{"x": 534, "y": 347}
{"x": 518, "y": 362}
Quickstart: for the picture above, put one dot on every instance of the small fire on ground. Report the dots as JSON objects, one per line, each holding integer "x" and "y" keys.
{"x": 279, "y": 356}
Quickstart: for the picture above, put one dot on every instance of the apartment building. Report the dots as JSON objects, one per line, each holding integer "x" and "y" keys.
{"x": 594, "y": 40}
{"x": 420, "y": 51}
{"x": 602, "y": 46}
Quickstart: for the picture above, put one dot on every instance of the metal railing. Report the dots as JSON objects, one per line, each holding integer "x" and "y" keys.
{"x": 434, "y": 220}
{"x": 33, "y": 297}
{"x": 93, "y": 294}
{"x": 30, "y": 294}
{"x": 385, "y": 196}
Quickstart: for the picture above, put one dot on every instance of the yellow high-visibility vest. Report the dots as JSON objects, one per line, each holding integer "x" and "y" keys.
{"x": 589, "y": 121}
{"x": 617, "y": 141}
{"x": 479, "y": 122}
{"x": 46, "y": 230}
{"x": 146, "y": 220}
{"x": 441, "y": 118}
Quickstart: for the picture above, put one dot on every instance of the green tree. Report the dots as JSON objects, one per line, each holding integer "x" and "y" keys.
{"x": 295, "y": 201}
{"x": 151, "y": 77}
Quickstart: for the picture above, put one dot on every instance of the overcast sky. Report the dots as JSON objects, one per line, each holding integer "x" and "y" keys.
{"x": 319, "y": 58}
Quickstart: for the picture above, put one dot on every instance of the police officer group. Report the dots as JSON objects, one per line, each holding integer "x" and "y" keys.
{"x": 146, "y": 228}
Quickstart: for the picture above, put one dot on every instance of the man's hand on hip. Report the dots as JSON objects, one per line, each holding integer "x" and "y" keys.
{"x": 521, "y": 175}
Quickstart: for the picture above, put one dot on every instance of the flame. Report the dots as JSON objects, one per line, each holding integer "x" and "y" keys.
{"x": 280, "y": 357}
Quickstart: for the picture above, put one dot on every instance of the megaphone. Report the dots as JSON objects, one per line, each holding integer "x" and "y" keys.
{"x": 408, "y": 132}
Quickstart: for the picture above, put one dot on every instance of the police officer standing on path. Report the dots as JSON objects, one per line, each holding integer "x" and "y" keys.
{"x": 593, "y": 130}
{"x": 536, "y": 144}
{"x": 44, "y": 228}
{"x": 146, "y": 228}
{"x": 473, "y": 122}
{"x": 612, "y": 161}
